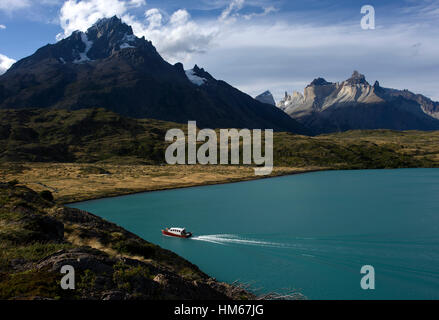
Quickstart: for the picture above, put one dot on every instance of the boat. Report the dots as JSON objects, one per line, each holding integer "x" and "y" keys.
{"x": 177, "y": 232}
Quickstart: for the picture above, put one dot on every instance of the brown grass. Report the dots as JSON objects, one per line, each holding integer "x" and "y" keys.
{"x": 69, "y": 183}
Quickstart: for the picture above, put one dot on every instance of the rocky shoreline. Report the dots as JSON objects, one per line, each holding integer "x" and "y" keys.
{"x": 38, "y": 237}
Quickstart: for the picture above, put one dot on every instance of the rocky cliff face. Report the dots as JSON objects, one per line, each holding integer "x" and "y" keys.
{"x": 355, "y": 104}
{"x": 109, "y": 67}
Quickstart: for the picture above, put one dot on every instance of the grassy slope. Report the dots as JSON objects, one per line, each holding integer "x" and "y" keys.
{"x": 37, "y": 237}
{"x": 98, "y": 136}
{"x": 373, "y": 149}
{"x": 81, "y": 136}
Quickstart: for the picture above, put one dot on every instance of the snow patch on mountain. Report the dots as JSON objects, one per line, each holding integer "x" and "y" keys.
{"x": 190, "y": 74}
{"x": 127, "y": 41}
{"x": 88, "y": 45}
{"x": 126, "y": 46}
{"x": 129, "y": 37}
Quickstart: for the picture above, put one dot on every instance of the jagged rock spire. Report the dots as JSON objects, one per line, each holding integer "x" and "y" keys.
{"x": 319, "y": 82}
{"x": 357, "y": 78}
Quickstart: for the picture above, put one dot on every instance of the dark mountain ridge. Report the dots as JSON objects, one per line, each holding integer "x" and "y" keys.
{"x": 266, "y": 97}
{"x": 109, "y": 67}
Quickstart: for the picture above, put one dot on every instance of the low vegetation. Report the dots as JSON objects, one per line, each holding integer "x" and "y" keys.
{"x": 67, "y": 182}
{"x": 101, "y": 137}
{"x": 38, "y": 237}
{"x": 93, "y": 153}
{"x": 370, "y": 149}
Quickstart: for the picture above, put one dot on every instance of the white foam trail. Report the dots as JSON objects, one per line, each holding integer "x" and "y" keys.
{"x": 223, "y": 239}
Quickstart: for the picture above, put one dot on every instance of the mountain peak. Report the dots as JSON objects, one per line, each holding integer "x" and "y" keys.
{"x": 114, "y": 20}
{"x": 319, "y": 82}
{"x": 106, "y": 37}
{"x": 355, "y": 104}
{"x": 357, "y": 78}
{"x": 110, "y": 25}
{"x": 266, "y": 97}
{"x": 198, "y": 76}
{"x": 200, "y": 72}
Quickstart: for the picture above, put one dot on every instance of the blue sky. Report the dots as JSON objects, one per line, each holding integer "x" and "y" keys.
{"x": 255, "y": 45}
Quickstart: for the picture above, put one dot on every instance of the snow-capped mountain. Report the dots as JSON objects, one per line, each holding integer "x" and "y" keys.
{"x": 198, "y": 76}
{"x": 355, "y": 104}
{"x": 267, "y": 98}
{"x": 105, "y": 38}
{"x": 108, "y": 66}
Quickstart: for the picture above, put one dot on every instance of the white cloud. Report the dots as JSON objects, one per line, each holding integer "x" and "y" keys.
{"x": 176, "y": 37}
{"x": 138, "y": 3}
{"x": 154, "y": 18}
{"x": 233, "y": 7}
{"x": 2, "y": 26}
{"x": 5, "y": 63}
{"x": 12, "y": 5}
{"x": 288, "y": 55}
{"x": 231, "y": 12}
{"x": 80, "y": 15}
{"x": 265, "y": 12}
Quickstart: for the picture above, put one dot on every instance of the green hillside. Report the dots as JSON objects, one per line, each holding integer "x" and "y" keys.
{"x": 96, "y": 135}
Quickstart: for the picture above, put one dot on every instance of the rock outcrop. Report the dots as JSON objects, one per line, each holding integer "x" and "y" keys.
{"x": 355, "y": 104}
{"x": 267, "y": 98}
{"x": 38, "y": 238}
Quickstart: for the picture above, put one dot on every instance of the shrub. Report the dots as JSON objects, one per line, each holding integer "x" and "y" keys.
{"x": 130, "y": 277}
{"x": 30, "y": 284}
{"x": 133, "y": 247}
{"x": 94, "y": 170}
{"x": 47, "y": 195}
{"x": 13, "y": 182}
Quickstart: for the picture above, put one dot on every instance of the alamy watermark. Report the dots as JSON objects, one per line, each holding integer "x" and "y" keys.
{"x": 207, "y": 153}
{"x": 368, "y": 280}
{"x": 68, "y": 281}
{"x": 368, "y": 20}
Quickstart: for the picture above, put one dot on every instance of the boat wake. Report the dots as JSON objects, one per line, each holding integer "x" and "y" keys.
{"x": 224, "y": 239}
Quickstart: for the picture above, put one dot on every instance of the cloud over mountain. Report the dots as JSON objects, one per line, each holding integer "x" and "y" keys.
{"x": 176, "y": 35}
{"x": 277, "y": 45}
{"x": 5, "y": 63}
{"x": 81, "y": 15}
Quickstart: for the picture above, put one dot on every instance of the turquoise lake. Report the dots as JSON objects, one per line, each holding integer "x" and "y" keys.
{"x": 310, "y": 232}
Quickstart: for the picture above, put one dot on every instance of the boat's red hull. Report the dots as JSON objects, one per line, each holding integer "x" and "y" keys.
{"x": 169, "y": 234}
